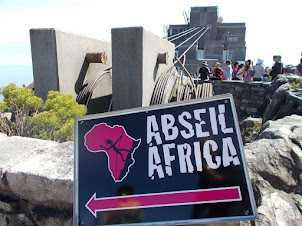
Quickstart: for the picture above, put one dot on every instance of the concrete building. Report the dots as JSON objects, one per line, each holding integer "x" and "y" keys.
{"x": 222, "y": 41}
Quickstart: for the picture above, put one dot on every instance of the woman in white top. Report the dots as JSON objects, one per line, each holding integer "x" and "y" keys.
{"x": 227, "y": 70}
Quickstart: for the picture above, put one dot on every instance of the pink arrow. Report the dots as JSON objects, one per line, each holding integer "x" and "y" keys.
{"x": 177, "y": 198}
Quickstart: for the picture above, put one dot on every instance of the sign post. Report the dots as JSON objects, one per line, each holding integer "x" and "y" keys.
{"x": 180, "y": 163}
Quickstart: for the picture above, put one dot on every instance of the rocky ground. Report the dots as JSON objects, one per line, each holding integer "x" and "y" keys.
{"x": 36, "y": 176}
{"x": 284, "y": 100}
{"x": 275, "y": 166}
{"x": 36, "y": 182}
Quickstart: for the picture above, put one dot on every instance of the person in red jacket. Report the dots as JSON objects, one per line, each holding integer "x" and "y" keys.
{"x": 217, "y": 72}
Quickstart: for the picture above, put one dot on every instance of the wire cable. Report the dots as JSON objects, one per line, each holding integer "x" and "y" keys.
{"x": 182, "y": 55}
{"x": 190, "y": 38}
{"x": 193, "y": 44}
{"x": 179, "y": 33}
{"x": 187, "y": 32}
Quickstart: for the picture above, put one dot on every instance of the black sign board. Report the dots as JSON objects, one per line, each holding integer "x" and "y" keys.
{"x": 179, "y": 163}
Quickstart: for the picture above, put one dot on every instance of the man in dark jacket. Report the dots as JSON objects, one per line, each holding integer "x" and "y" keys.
{"x": 277, "y": 68}
{"x": 204, "y": 71}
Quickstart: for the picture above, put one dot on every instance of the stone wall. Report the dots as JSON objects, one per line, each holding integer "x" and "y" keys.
{"x": 251, "y": 98}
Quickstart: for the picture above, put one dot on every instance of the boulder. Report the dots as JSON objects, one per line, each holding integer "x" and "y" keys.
{"x": 284, "y": 99}
{"x": 277, "y": 82}
{"x": 249, "y": 122}
{"x": 278, "y": 100}
{"x": 274, "y": 162}
{"x": 35, "y": 175}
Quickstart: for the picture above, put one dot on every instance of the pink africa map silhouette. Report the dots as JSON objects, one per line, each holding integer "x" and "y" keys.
{"x": 118, "y": 146}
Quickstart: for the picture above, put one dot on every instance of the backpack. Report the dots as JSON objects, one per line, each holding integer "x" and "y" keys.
{"x": 217, "y": 72}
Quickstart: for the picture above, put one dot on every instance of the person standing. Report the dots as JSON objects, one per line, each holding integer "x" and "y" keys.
{"x": 266, "y": 74}
{"x": 235, "y": 70}
{"x": 259, "y": 70}
{"x": 204, "y": 71}
{"x": 227, "y": 70}
{"x": 277, "y": 68}
{"x": 217, "y": 72}
{"x": 240, "y": 72}
{"x": 248, "y": 71}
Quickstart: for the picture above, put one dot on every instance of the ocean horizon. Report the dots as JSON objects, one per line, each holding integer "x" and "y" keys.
{"x": 17, "y": 74}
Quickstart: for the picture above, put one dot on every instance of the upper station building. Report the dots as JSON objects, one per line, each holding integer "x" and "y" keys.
{"x": 222, "y": 41}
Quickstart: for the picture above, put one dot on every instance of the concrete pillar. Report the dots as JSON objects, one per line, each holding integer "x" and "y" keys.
{"x": 135, "y": 67}
{"x": 59, "y": 63}
{"x": 44, "y": 60}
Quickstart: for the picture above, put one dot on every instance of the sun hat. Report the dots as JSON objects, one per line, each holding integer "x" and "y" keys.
{"x": 205, "y": 63}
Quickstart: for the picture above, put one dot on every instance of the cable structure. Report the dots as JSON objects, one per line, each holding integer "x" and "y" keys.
{"x": 192, "y": 44}
{"x": 187, "y": 32}
{"x": 170, "y": 85}
{"x": 179, "y": 33}
{"x": 190, "y": 38}
{"x": 182, "y": 55}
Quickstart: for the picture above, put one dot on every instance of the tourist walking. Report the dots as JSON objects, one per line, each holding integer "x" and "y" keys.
{"x": 258, "y": 70}
{"x": 277, "y": 68}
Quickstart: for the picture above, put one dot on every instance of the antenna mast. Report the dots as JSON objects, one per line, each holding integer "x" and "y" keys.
{"x": 186, "y": 17}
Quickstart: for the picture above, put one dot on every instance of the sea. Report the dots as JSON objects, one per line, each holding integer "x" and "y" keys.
{"x": 17, "y": 74}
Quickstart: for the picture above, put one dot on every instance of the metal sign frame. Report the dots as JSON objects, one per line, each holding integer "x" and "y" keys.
{"x": 226, "y": 98}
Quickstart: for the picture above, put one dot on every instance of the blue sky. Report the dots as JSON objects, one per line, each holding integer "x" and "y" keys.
{"x": 272, "y": 25}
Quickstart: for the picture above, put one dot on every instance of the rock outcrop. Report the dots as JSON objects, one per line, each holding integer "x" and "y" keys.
{"x": 275, "y": 165}
{"x": 36, "y": 183}
{"x": 285, "y": 100}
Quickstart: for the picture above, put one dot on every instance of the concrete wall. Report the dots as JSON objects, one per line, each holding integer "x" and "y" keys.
{"x": 134, "y": 65}
{"x": 58, "y": 60}
{"x": 213, "y": 49}
{"x": 203, "y": 16}
{"x": 250, "y": 97}
{"x": 226, "y": 31}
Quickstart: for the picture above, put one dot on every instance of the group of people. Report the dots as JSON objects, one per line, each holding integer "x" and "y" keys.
{"x": 244, "y": 72}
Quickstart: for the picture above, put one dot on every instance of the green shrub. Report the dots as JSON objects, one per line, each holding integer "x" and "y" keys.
{"x": 56, "y": 120}
{"x": 251, "y": 133}
{"x": 65, "y": 133}
{"x": 23, "y": 104}
{"x": 297, "y": 84}
{"x": 32, "y": 118}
